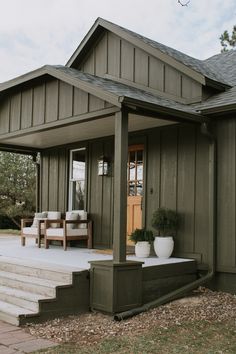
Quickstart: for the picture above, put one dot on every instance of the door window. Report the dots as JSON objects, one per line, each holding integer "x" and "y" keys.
{"x": 135, "y": 171}
{"x": 77, "y": 179}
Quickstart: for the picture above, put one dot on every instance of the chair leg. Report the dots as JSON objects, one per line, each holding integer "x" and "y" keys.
{"x": 22, "y": 241}
{"x": 46, "y": 243}
{"x": 90, "y": 233}
{"x": 64, "y": 244}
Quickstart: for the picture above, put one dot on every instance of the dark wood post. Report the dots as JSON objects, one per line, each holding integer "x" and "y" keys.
{"x": 120, "y": 186}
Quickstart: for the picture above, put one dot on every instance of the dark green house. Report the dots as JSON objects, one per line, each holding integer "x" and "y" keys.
{"x": 128, "y": 99}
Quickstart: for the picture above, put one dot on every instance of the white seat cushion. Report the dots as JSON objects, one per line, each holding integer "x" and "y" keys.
{"x": 31, "y": 231}
{"x": 70, "y": 232}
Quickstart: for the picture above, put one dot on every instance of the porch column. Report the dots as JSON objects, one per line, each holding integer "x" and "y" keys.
{"x": 120, "y": 186}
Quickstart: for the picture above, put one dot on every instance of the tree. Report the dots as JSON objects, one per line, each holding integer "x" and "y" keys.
{"x": 17, "y": 185}
{"x": 228, "y": 41}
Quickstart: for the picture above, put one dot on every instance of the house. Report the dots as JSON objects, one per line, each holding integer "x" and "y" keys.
{"x": 124, "y": 98}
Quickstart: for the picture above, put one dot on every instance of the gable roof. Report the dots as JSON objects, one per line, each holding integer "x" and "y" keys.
{"x": 193, "y": 67}
{"x": 109, "y": 90}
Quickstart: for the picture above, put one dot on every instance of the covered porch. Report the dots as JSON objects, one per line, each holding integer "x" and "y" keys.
{"x": 55, "y": 110}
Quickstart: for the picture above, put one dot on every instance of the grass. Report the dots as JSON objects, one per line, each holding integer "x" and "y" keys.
{"x": 9, "y": 232}
{"x": 199, "y": 338}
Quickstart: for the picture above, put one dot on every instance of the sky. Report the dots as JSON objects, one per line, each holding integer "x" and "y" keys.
{"x": 38, "y": 32}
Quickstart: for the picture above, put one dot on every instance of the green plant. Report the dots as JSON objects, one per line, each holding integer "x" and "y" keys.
{"x": 141, "y": 235}
{"x": 166, "y": 221}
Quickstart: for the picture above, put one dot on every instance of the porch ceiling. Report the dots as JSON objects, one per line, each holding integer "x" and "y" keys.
{"x": 81, "y": 131}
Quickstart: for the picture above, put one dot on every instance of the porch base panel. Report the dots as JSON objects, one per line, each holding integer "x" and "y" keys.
{"x": 115, "y": 287}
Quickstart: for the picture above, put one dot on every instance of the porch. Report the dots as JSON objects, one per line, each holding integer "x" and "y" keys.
{"x": 37, "y": 284}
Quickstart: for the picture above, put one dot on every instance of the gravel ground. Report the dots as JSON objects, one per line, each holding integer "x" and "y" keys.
{"x": 91, "y": 328}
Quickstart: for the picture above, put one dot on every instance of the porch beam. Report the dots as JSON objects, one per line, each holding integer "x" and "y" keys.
{"x": 120, "y": 186}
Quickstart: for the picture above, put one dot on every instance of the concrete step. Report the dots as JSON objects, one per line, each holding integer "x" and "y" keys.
{"x": 32, "y": 292}
{"x": 32, "y": 284}
{"x": 27, "y": 300}
{"x": 40, "y": 270}
{"x": 12, "y": 313}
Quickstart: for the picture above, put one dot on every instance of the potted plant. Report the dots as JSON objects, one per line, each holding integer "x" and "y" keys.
{"x": 166, "y": 221}
{"x": 142, "y": 239}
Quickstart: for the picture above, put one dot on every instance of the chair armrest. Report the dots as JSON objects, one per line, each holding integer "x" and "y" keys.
{"x": 24, "y": 222}
{"x": 48, "y": 222}
{"x": 76, "y": 221}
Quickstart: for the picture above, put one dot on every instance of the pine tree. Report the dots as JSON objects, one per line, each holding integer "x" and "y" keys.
{"x": 228, "y": 41}
{"x": 17, "y": 185}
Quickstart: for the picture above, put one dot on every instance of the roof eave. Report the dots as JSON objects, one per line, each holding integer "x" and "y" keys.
{"x": 217, "y": 85}
{"x": 230, "y": 108}
{"x": 170, "y": 113}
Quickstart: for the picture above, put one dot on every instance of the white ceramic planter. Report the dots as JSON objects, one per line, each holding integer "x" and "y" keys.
{"x": 164, "y": 246}
{"x": 142, "y": 249}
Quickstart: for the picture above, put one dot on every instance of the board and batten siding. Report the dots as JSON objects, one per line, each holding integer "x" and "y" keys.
{"x": 51, "y": 101}
{"x": 99, "y": 203}
{"x": 226, "y": 206}
{"x": 176, "y": 161}
{"x": 177, "y": 178}
{"x": 115, "y": 58}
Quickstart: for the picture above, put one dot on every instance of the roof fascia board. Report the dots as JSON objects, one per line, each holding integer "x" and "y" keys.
{"x": 181, "y": 115}
{"x": 83, "y": 43}
{"x": 24, "y": 78}
{"x": 137, "y": 42}
{"x": 56, "y": 73}
{"x": 220, "y": 109}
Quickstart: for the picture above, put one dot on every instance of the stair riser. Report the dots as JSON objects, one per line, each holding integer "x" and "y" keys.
{"x": 9, "y": 318}
{"x": 34, "y": 288}
{"x": 36, "y": 272}
{"x": 30, "y": 305}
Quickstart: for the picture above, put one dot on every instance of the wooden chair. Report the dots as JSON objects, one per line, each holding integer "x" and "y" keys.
{"x": 32, "y": 232}
{"x": 66, "y": 233}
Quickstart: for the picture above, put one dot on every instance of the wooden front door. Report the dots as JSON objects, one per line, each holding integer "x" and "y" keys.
{"x": 135, "y": 189}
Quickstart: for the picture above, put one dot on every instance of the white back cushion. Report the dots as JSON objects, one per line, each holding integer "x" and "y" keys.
{"x": 37, "y": 217}
{"x": 82, "y": 216}
{"x": 54, "y": 215}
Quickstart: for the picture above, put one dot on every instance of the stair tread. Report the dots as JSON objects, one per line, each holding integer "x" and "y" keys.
{"x": 40, "y": 265}
{"x": 34, "y": 297}
{"x": 31, "y": 279}
{"x": 14, "y": 310}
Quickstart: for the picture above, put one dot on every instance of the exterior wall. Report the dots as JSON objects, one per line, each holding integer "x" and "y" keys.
{"x": 45, "y": 103}
{"x": 176, "y": 177}
{"x": 114, "y": 57}
{"x": 176, "y": 162}
{"x": 99, "y": 203}
{"x": 226, "y": 206}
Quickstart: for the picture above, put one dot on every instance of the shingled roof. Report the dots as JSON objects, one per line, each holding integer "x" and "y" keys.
{"x": 196, "y": 64}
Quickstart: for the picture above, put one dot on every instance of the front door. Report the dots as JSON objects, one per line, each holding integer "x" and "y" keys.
{"x": 135, "y": 189}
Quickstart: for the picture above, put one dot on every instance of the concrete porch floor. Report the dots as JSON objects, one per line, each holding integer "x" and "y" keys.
{"x": 74, "y": 257}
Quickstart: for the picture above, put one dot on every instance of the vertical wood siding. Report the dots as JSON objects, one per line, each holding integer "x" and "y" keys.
{"x": 120, "y": 59}
{"x": 45, "y": 103}
{"x": 54, "y": 187}
{"x": 177, "y": 178}
{"x": 177, "y": 162}
{"x": 226, "y": 209}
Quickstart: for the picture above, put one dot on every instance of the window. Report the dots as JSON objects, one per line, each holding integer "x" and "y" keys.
{"x": 77, "y": 186}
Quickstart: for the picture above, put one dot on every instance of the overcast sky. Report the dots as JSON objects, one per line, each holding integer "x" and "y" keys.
{"x": 38, "y": 32}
